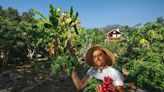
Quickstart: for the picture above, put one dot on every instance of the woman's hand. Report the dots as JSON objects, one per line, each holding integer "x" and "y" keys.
{"x": 98, "y": 88}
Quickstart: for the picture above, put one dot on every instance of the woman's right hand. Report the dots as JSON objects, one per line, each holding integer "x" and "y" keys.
{"x": 98, "y": 88}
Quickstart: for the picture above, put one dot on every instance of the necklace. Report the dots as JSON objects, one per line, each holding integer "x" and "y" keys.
{"x": 101, "y": 69}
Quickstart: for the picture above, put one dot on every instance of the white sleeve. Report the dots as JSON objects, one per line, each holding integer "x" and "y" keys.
{"x": 118, "y": 79}
{"x": 90, "y": 73}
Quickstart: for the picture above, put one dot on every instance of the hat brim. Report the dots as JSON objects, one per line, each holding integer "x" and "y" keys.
{"x": 89, "y": 55}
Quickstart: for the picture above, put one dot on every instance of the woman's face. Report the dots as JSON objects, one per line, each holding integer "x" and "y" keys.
{"x": 99, "y": 58}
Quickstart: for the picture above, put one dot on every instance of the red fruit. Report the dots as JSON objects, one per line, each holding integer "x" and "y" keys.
{"x": 103, "y": 85}
{"x": 104, "y": 89}
{"x": 107, "y": 85}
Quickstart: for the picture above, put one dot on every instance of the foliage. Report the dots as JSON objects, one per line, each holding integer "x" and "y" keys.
{"x": 59, "y": 37}
{"x": 14, "y": 34}
{"x": 146, "y": 74}
{"x": 60, "y": 30}
{"x": 143, "y": 56}
{"x": 95, "y": 36}
{"x": 64, "y": 63}
{"x": 93, "y": 82}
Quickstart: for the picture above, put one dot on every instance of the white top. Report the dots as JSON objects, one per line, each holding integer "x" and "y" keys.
{"x": 114, "y": 74}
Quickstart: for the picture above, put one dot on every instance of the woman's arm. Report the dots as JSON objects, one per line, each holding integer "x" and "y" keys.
{"x": 79, "y": 84}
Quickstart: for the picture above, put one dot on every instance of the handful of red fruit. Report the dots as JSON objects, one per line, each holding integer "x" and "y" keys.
{"x": 107, "y": 85}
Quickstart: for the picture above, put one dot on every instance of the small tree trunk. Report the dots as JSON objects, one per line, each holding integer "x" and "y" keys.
{"x": 30, "y": 54}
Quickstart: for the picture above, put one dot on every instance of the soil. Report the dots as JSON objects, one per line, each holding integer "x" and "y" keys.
{"x": 33, "y": 78}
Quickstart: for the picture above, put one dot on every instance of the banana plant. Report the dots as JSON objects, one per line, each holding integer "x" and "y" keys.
{"x": 61, "y": 30}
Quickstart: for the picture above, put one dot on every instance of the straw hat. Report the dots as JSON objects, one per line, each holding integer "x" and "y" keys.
{"x": 89, "y": 55}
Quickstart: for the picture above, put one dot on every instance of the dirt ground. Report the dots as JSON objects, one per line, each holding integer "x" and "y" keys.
{"x": 28, "y": 78}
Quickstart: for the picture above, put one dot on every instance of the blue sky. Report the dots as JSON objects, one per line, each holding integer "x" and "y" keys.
{"x": 98, "y": 13}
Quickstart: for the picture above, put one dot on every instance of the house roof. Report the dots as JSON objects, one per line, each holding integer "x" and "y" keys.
{"x": 117, "y": 30}
{"x": 109, "y": 28}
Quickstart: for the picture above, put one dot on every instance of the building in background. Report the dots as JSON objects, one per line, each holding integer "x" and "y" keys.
{"x": 113, "y": 34}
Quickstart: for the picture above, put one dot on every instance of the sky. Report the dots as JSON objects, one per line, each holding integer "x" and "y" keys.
{"x": 97, "y": 13}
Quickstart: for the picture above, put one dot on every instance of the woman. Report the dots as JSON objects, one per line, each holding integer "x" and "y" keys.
{"x": 100, "y": 59}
